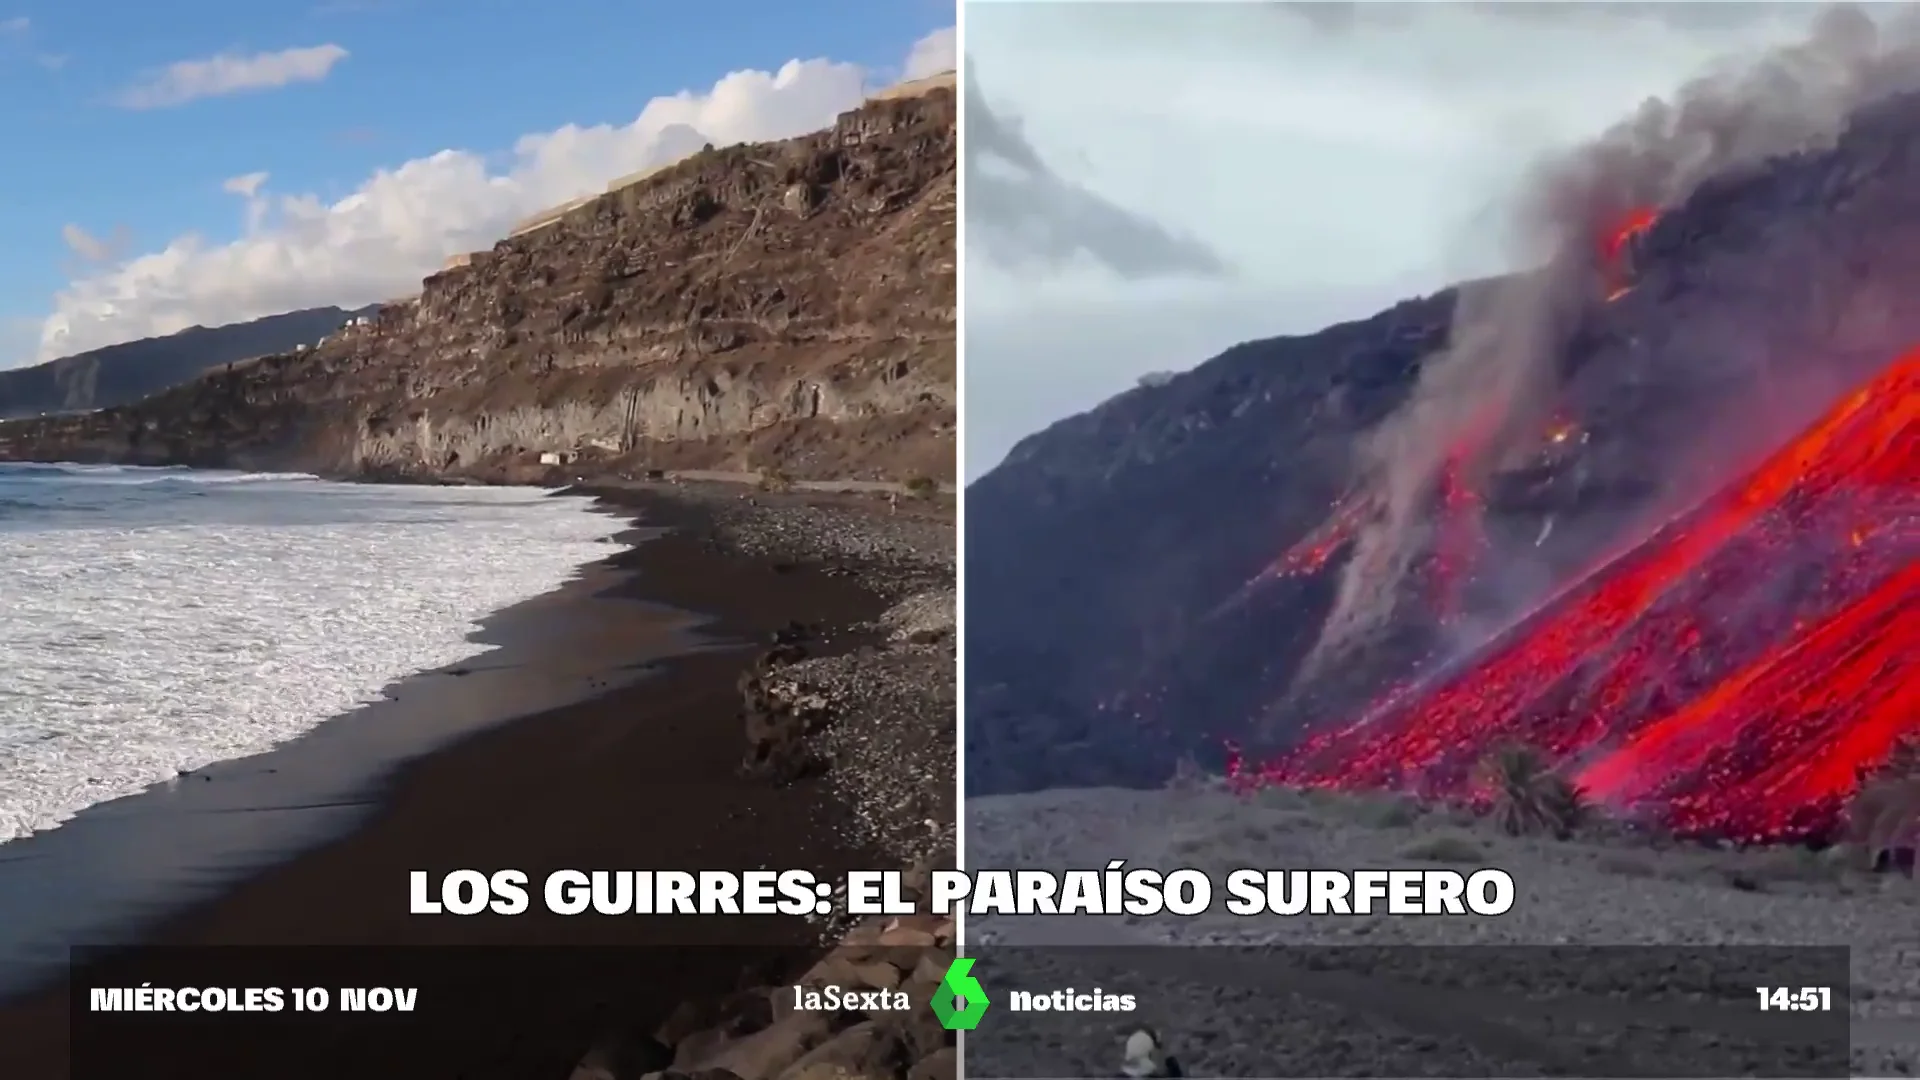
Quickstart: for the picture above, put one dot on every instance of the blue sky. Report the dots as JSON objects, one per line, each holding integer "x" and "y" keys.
{"x": 133, "y": 204}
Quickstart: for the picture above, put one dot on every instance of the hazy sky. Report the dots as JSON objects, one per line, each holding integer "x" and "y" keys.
{"x": 1151, "y": 183}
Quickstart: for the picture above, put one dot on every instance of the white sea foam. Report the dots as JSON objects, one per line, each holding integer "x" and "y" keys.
{"x": 195, "y": 630}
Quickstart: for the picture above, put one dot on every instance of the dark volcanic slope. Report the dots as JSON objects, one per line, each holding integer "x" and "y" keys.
{"x": 784, "y": 305}
{"x": 1098, "y": 543}
{"x": 121, "y": 374}
{"x": 1121, "y": 605}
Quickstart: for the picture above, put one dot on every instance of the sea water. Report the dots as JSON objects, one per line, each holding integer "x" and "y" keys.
{"x": 153, "y": 621}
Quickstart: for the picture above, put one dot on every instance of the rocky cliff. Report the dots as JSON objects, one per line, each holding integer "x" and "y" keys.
{"x": 121, "y": 374}
{"x": 1153, "y": 577}
{"x": 784, "y": 306}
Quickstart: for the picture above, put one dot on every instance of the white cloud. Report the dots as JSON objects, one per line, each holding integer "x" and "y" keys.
{"x": 18, "y": 24}
{"x": 403, "y": 223}
{"x": 85, "y": 244}
{"x": 247, "y": 186}
{"x": 1336, "y": 156}
{"x": 232, "y": 73}
{"x": 933, "y": 54}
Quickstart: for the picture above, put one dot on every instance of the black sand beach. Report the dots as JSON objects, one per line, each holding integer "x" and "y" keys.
{"x": 626, "y": 754}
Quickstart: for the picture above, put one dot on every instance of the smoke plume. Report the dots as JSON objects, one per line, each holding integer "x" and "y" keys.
{"x": 1499, "y": 373}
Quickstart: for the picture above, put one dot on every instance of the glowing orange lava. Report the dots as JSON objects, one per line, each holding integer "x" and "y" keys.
{"x": 1318, "y": 547}
{"x": 1460, "y": 537}
{"x": 1612, "y": 252}
{"x": 1730, "y": 675}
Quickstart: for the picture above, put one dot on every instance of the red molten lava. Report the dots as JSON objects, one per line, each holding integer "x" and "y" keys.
{"x": 1318, "y": 548}
{"x": 1459, "y": 538}
{"x": 1730, "y": 675}
{"x": 1614, "y": 241}
{"x": 1612, "y": 244}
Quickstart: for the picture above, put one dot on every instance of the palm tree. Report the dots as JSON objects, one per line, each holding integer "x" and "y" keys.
{"x": 1530, "y": 798}
{"x": 1566, "y": 805}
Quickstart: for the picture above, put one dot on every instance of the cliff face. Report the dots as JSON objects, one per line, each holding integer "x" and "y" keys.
{"x": 785, "y": 306}
{"x": 1126, "y": 598}
{"x": 120, "y": 374}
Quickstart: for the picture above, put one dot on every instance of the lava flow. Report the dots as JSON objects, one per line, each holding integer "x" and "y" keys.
{"x": 1318, "y": 548}
{"x": 1730, "y": 675}
{"x": 1614, "y": 245}
{"x": 1459, "y": 541}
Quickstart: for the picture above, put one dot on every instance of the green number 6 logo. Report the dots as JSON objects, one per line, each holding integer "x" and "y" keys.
{"x": 960, "y": 1002}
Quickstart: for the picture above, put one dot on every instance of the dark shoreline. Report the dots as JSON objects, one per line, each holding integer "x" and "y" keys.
{"x": 118, "y": 867}
{"x": 573, "y": 785}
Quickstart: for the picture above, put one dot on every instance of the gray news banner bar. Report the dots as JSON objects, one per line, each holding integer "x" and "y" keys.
{"x": 1409, "y": 1011}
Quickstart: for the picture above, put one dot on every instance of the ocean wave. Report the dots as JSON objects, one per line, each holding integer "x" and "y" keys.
{"x": 136, "y": 645}
{"x": 147, "y": 474}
